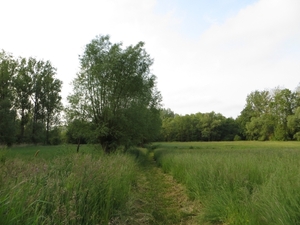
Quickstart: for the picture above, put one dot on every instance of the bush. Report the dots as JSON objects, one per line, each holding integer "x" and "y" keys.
{"x": 297, "y": 136}
{"x": 237, "y": 138}
{"x": 56, "y": 137}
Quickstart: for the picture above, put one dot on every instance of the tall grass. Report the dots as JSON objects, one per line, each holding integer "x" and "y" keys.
{"x": 258, "y": 184}
{"x": 87, "y": 188}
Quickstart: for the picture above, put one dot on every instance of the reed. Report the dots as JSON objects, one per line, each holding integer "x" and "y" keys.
{"x": 36, "y": 153}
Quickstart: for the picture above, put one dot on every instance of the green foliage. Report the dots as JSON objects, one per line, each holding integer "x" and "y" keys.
{"x": 198, "y": 127}
{"x": 7, "y": 123}
{"x": 115, "y": 92}
{"x": 166, "y": 113}
{"x": 23, "y": 84}
{"x": 79, "y": 131}
{"x": 237, "y": 138}
{"x": 7, "y": 114}
{"x": 30, "y": 100}
{"x": 243, "y": 119}
{"x": 270, "y": 115}
{"x": 297, "y": 136}
{"x": 55, "y": 136}
{"x": 293, "y": 123}
{"x": 46, "y": 99}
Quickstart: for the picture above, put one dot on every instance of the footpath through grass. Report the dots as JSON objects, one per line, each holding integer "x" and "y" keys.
{"x": 236, "y": 183}
{"x": 159, "y": 199}
{"x": 56, "y": 185}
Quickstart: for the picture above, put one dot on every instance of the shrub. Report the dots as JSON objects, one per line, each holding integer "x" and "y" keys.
{"x": 237, "y": 138}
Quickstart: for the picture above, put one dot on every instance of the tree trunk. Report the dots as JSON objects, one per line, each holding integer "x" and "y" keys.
{"x": 22, "y": 124}
{"x": 78, "y": 145}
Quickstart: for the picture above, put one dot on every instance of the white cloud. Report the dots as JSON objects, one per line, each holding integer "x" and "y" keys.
{"x": 239, "y": 56}
{"x": 59, "y": 30}
{"x": 256, "y": 49}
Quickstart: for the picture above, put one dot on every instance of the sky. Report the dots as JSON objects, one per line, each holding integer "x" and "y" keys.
{"x": 208, "y": 54}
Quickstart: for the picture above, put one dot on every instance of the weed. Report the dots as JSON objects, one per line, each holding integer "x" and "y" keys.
{"x": 3, "y": 152}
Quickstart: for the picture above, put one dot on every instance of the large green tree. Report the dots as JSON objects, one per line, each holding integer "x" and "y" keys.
{"x": 45, "y": 98}
{"x": 210, "y": 126}
{"x": 284, "y": 105}
{"x": 23, "y": 90}
{"x": 293, "y": 123}
{"x": 7, "y": 114}
{"x": 270, "y": 115}
{"x": 30, "y": 99}
{"x": 116, "y": 92}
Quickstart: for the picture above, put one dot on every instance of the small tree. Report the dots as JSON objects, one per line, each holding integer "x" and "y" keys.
{"x": 79, "y": 132}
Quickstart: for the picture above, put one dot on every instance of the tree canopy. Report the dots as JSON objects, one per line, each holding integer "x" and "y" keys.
{"x": 116, "y": 93}
{"x": 115, "y": 102}
{"x": 30, "y": 100}
{"x": 271, "y": 115}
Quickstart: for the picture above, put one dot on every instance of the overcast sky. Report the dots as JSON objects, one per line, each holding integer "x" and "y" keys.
{"x": 208, "y": 54}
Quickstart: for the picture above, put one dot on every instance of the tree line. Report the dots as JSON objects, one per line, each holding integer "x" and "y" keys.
{"x": 271, "y": 115}
{"x": 115, "y": 103}
{"x": 267, "y": 115}
{"x": 30, "y": 101}
{"x": 197, "y": 127}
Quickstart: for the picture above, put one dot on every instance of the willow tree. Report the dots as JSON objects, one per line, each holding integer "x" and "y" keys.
{"x": 116, "y": 93}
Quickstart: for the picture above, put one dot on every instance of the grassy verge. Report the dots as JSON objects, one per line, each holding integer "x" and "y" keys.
{"x": 240, "y": 182}
{"x": 59, "y": 186}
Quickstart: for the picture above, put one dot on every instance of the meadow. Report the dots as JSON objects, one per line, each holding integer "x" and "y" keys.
{"x": 238, "y": 182}
{"x": 226, "y": 183}
{"x": 55, "y": 185}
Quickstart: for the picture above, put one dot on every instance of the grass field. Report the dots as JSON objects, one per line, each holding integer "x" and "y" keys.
{"x": 238, "y": 182}
{"x": 227, "y": 182}
{"x": 55, "y": 185}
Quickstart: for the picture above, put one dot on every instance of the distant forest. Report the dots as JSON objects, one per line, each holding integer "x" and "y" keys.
{"x": 115, "y": 103}
{"x": 267, "y": 115}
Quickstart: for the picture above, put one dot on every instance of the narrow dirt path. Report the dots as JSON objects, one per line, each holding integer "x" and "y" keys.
{"x": 159, "y": 199}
